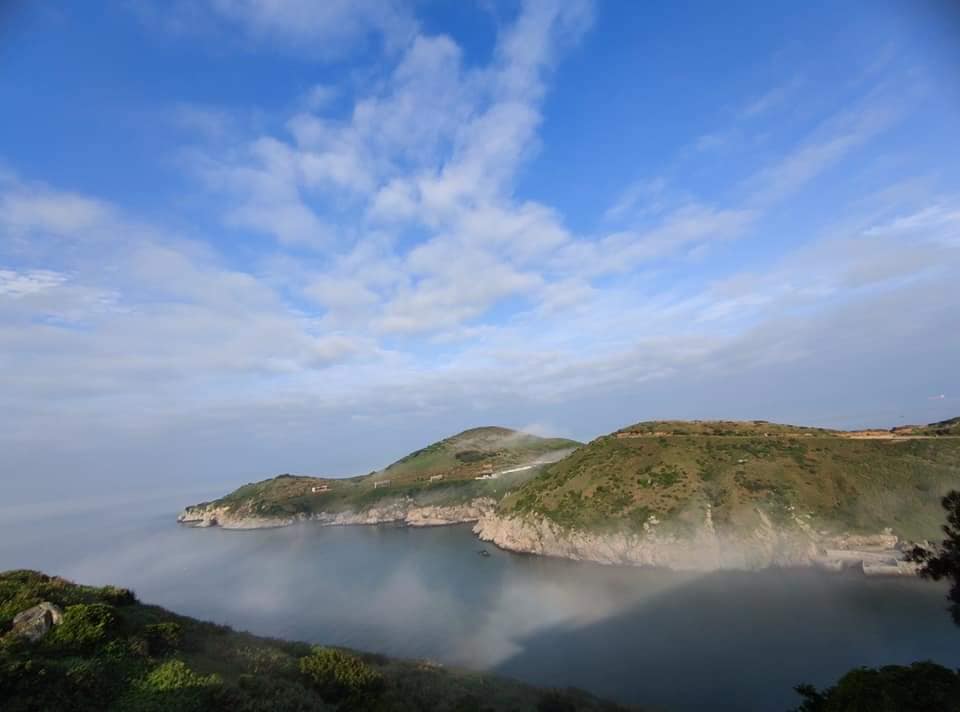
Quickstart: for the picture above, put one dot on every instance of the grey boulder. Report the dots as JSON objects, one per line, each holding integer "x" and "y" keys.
{"x": 36, "y": 622}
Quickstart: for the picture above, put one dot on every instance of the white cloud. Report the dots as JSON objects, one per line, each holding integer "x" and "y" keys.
{"x": 832, "y": 140}
{"x": 407, "y": 280}
{"x": 49, "y": 211}
{"x": 329, "y": 28}
{"x": 15, "y": 284}
{"x": 771, "y": 99}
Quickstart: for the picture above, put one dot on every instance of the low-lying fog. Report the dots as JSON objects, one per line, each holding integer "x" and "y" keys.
{"x": 683, "y": 641}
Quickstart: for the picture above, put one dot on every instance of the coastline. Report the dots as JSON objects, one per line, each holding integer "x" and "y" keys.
{"x": 404, "y": 512}
{"x": 765, "y": 546}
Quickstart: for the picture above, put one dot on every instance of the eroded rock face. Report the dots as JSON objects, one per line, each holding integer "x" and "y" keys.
{"x": 763, "y": 546}
{"x": 404, "y": 511}
{"x": 34, "y": 623}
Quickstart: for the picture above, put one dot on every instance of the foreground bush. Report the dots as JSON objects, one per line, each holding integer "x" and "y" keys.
{"x": 172, "y": 686}
{"x": 114, "y": 653}
{"x": 338, "y": 675}
{"x": 920, "y": 687}
{"x": 162, "y": 638}
{"x": 85, "y": 626}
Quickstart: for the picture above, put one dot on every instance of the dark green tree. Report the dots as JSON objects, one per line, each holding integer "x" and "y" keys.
{"x": 942, "y": 562}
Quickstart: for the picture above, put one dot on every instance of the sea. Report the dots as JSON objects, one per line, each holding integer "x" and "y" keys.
{"x": 663, "y": 639}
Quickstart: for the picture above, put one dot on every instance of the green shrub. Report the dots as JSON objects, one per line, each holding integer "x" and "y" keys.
{"x": 919, "y": 687}
{"x": 84, "y": 626}
{"x": 255, "y": 693}
{"x": 338, "y": 675}
{"x": 171, "y": 686}
{"x": 176, "y": 675}
{"x": 118, "y": 596}
{"x": 162, "y": 638}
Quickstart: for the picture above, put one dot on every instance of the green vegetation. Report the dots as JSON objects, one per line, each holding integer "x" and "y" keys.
{"x": 664, "y": 474}
{"x": 113, "y": 653}
{"x": 942, "y": 561}
{"x": 944, "y": 427}
{"x": 338, "y": 675}
{"x": 919, "y": 687}
{"x": 672, "y": 471}
{"x": 456, "y": 462}
{"x": 472, "y": 452}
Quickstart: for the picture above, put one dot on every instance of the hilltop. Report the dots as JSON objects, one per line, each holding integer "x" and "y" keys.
{"x": 784, "y": 491}
{"x": 100, "y": 648}
{"x": 456, "y": 479}
{"x": 476, "y": 452}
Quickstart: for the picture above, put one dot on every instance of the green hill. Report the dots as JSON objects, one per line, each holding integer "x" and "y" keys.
{"x": 111, "y": 652}
{"x": 446, "y": 473}
{"x": 944, "y": 427}
{"x": 673, "y": 471}
{"x": 475, "y": 452}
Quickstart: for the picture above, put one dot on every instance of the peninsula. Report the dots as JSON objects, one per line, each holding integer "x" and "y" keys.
{"x": 699, "y": 495}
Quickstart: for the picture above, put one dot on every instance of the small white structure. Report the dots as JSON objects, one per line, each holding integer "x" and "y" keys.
{"x": 381, "y": 483}
{"x": 317, "y": 489}
{"x": 434, "y": 478}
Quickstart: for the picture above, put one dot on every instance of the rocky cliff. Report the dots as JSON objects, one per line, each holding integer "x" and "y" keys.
{"x": 403, "y": 511}
{"x": 703, "y": 549}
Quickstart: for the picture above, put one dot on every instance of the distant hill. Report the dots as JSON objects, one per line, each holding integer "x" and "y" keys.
{"x": 944, "y": 427}
{"x": 672, "y": 472}
{"x": 101, "y": 649}
{"x": 477, "y": 464}
{"x": 683, "y": 494}
{"x": 475, "y": 452}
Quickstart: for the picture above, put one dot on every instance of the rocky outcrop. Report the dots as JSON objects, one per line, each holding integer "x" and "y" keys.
{"x": 703, "y": 549}
{"x": 229, "y": 518}
{"x": 404, "y": 511}
{"x": 34, "y": 623}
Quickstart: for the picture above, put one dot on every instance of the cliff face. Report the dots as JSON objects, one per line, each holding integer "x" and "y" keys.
{"x": 701, "y": 549}
{"x": 704, "y": 550}
{"x": 401, "y": 512}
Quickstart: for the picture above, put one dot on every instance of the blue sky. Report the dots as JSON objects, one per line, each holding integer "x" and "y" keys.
{"x": 240, "y": 237}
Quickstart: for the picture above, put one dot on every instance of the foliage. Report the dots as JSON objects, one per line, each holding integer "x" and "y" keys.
{"x": 338, "y": 675}
{"x": 920, "y": 687}
{"x": 84, "y": 626}
{"x": 133, "y": 657}
{"x": 673, "y": 471}
{"x": 943, "y": 561}
{"x": 118, "y": 596}
{"x": 162, "y": 638}
{"x": 460, "y": 459}
{"x": 172, "y": 686}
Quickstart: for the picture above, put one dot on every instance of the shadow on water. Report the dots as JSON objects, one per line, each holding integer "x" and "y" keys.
{"x": 742, "y": 641}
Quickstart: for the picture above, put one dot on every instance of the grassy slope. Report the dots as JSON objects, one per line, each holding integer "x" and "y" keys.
{"x": 125, "y": 666}
{"x": 672, "y": 470}
{"x": 944, "y": 427}
{"x": 464, "y": 456}
{"x": 460, "y": 459}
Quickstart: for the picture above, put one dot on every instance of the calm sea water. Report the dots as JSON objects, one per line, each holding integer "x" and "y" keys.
{"x": 682, "y": 641}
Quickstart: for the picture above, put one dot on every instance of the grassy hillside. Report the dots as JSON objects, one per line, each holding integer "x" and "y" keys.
{"x": 113, "y": 653}
{"x": 455, "y": 462}
{"x": 475, "y": 452}
{"x": 672, "y": 470}
{"x": 944, "y": 427}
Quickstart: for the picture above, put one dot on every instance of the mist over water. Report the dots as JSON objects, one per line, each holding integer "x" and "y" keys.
{"x": 733, "y": 641}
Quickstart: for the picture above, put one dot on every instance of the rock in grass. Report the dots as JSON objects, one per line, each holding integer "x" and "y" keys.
{"x": 36, "y": 622}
